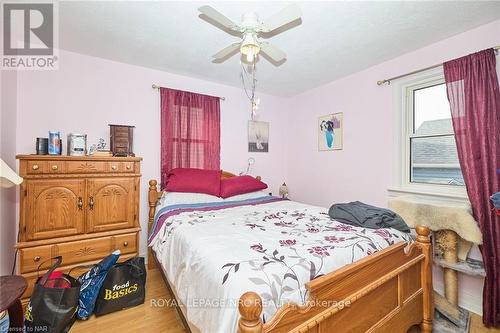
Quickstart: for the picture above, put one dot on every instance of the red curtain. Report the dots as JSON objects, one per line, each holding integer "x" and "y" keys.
{"x": 190, "y": 131}
{"x": 474, "y": 96}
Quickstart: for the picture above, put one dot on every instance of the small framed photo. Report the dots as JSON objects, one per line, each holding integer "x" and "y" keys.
{"x": 77, "y": 144}
{"x": 331, "y": 132}
{"x": 258, "y": 136}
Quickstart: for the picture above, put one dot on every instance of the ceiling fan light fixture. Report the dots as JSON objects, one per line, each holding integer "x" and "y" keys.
{"x": 251, "y": 28}
{"x": 250, "y": 47}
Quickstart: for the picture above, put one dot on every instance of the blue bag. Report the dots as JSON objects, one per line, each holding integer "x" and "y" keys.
{"x": 495, "y": 198}
{"x": 91, "y": 284}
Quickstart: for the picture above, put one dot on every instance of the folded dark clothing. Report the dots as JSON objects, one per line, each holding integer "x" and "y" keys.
{"x": 362, "y": 215}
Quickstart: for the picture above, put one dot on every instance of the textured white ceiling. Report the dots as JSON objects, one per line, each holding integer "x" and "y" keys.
{"x": 335, "y": 38}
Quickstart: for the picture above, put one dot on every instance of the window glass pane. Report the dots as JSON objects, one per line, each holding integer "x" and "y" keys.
{"x": 189, "y": 123}
{"x": 192, "y": 154}
{"x": 434, "y": 160}
{"x": 431, "y": 111}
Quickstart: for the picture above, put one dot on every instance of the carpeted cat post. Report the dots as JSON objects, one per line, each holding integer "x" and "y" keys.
{"x": 455, "y": 230}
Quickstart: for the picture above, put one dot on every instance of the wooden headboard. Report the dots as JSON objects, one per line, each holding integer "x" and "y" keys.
{"x": 154, "y": 196}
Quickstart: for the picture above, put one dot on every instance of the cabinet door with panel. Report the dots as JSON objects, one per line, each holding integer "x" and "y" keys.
{"x": 111, "y": 203}
{"x": 54, "y": 208}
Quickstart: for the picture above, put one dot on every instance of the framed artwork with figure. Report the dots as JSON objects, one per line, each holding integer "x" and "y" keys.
{"x": 258, "y": 136}
{"x": 331, "y": 132}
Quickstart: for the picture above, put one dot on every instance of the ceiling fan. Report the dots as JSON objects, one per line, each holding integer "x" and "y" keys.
{"x": 251, "y": 30}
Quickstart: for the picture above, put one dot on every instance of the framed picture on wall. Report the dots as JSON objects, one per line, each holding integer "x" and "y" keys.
{"x": 331, "y": 132}
{"x": 258, "y": 136}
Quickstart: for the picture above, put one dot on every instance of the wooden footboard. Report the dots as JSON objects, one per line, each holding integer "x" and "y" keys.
{"x": 388, "y": 291}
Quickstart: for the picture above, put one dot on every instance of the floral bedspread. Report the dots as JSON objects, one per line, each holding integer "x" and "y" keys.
{"x": 271, "y": 247}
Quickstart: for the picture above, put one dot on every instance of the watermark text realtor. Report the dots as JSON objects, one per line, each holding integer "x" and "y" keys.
{"x": 29, "y": 35}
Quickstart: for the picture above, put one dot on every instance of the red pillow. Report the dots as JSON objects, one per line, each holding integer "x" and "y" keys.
{"x": 240, "y": 185}
{"x": 194, "y": 181}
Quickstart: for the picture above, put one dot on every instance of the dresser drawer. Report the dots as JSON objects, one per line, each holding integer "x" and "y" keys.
{"x": 71, "y": 252}
{"x": 86, "y": 166}
{"x": 74, "y": 252}
{"x": 126, "y": 243}
{"x": 121, "y": 132}
{"x": 128, "y": 166}
{"x": 36, "y": 167}
{"x": 121, "y": 167}
{"x": 30, "y": 258}
{"x": 115, "y": 166}
{"x": 98, "y": 167}
{"x": 84, "y": 250}
{"x": 56, "y": 167}
{"x": 45, "y": 167}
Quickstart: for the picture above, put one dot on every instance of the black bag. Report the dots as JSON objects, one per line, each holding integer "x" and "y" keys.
{"x": 52, "y": 309}
{"x": 124, "y": 286}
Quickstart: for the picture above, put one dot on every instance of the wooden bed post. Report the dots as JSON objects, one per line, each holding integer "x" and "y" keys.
{"x": 153, "y": 201}
{"x": 250, "y": 308}
{"x": 424, "y": 243}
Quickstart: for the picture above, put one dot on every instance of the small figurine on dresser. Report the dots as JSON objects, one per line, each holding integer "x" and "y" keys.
{"x": 121, "y": 140}
{"x": 99, "y": 149}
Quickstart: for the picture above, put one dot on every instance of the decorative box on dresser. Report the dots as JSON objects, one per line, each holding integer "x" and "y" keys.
{"x": 80, "y": 208}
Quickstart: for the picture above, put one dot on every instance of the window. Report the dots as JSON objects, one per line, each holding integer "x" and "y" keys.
{"x": 190, "y": 131}
{"x": 433, "y": 152}
{"x": 426, "y": 149}
{"x": 189, "y": 141}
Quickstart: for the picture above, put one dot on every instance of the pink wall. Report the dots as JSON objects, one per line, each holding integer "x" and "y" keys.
{"x": 87, "y": 93}
{"x": 363, "y": 169}
{"x": 8, "y": 220}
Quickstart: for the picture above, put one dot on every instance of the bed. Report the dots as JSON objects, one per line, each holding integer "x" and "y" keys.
{"x": 263, "y": 264}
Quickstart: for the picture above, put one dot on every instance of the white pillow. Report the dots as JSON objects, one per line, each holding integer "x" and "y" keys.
{"x": 175, "y": 198}
{"x": 251, "y": 195}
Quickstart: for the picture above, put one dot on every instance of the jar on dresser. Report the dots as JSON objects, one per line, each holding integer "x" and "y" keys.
{"x": 81, "y": 208}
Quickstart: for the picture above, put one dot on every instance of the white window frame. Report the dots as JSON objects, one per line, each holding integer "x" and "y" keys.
{"x": 403, "y": 132}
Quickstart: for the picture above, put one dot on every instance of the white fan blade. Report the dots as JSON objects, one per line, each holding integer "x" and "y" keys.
{"x": 273, "y": 52}
{"x": 217, "y": 17}
{"x": 285, "y": 16}
{"x": 226, "y": 51}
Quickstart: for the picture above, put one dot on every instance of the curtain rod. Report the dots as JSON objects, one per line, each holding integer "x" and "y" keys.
{"x": 155, "y": 86}
{"x": 388, "y": 81}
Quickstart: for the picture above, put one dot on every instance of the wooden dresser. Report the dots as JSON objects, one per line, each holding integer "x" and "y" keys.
{"x": 81, "y": 208}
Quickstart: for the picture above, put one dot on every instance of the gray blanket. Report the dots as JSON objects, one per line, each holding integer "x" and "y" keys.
{"x": 362, "y": 215}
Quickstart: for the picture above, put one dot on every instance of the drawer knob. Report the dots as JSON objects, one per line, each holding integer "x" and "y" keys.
{"x": 55, "y": 167}
{"x": 36, "y": 259}
{"x": 125, "y": 243}
{"x": 35, "y": 167}
{"x": 113, "y": 167}
{"x": 129, "y": 167}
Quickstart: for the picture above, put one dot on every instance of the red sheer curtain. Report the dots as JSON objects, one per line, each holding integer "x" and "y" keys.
{"x": 474, "y": 96}
{"x": 190, "y": 131}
